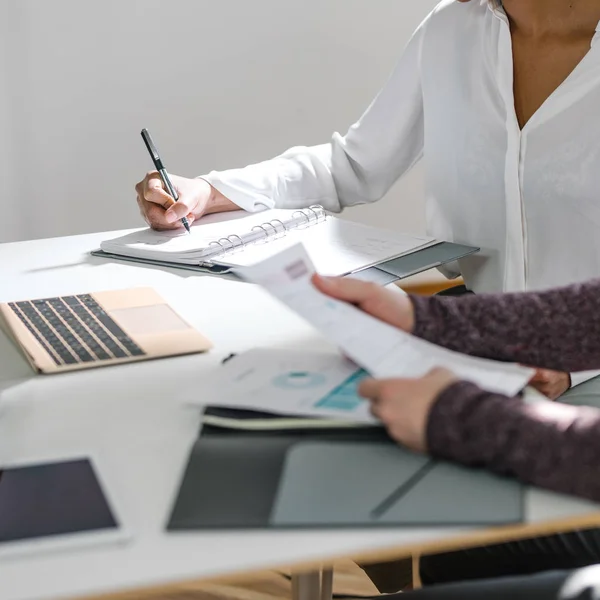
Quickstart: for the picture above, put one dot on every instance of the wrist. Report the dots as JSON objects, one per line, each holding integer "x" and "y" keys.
{"x": 427, "y": 322}
{"x": 448, "y": 425}
{"x": 216, "y": 201}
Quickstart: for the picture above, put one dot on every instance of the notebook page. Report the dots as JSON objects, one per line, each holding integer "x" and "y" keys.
{"x": 336, "y": 246}
{"x": 377, "y": 347}
{"x": 181, "y": 247}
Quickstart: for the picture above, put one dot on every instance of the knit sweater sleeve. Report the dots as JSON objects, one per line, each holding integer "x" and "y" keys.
{"x": 556, "y": 329}
{"x": 550, "y": 445}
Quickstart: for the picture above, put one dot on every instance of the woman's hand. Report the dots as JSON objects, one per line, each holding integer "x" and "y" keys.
{"x": 393, "y": 308}
{"x": 196, "y": 198}
{"x": 552, "y": 384}
{"x": 404, "y": 405}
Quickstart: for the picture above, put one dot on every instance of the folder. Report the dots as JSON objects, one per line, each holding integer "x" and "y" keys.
{"x": 329, "y": 477}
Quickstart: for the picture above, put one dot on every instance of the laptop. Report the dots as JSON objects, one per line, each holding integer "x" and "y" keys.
{"x": 69, "y": 333}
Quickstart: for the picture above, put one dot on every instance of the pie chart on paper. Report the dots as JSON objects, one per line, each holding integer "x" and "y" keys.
{"x": 297, "y": 380}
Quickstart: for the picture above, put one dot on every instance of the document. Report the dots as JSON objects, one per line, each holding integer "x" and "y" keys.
{"x": 288, "y": 382}
{"x": 382, "y": 350}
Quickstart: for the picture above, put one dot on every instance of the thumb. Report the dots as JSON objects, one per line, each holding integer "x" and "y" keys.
{"x": 438, "y": 372}
{"x": 345, "y": 288}
{"x": 540, "y": 375}
{"x": 155, "y": 192}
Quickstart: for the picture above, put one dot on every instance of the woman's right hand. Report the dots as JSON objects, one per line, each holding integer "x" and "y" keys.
{"x": 196, "y": 198}
{"x": 388, "y": 306}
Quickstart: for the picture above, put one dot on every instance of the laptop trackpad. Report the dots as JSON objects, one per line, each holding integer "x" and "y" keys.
{"x": 378, "y": 483}
{"x": 148, "y": 320}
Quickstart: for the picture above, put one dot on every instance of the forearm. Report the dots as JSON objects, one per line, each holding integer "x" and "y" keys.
{"x": 296, "y": 179}
{"x": 356, "y": 168}
{"x": 549, "y": 445}
{"x": 557, "y": 329}
{"x": 218, "y": 202}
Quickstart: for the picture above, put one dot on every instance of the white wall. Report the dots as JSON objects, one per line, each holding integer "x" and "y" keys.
{"x": 9, "y": 214}
{"x": 219, "y": 83}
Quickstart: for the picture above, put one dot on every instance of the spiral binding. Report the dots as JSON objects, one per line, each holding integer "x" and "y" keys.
{"x": 274, "y": 225}
{"x": 313, "y": 214}
{"x": 233, "y": 246}
{"x": 272, "y": 229}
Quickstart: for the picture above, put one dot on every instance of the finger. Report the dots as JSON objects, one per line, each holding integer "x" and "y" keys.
{"x": 154, "y": 191}
{"x": 383, "y": 390}
{"x": 177, "y": 224}
{"x": 537, "y": 384}
{"x": 542, "y": 387}
{"x": 182, "y": 208}
{"x": 395, "y": 309}
{"x": 369, "y": 388}
{"x": 546, "y": 390}
{"x": 155, "y": 216}
{"x": 347, "y": 289}
{"x": 374, "y": 410}
{"x": 438, "y": 372}
{"x": 537, "y": 376}
{"x": 382, "y": 411}
{"x": 542, "y": 377}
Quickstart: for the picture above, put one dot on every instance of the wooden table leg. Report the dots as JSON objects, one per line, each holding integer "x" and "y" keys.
{"x": 313, "y": 585}
{"x": 327, "y": 583}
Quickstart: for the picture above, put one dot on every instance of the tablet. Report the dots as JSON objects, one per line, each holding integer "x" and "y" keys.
{"x": 47, "y": 506}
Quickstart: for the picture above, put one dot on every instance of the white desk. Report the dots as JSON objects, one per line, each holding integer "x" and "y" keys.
{"x": 128, "y": 420}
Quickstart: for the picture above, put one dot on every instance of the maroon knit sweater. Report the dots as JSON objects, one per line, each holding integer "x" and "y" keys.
{"x": 555, "y": 446}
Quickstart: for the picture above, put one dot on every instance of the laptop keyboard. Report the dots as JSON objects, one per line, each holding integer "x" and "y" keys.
{"x": 75, "y": 329}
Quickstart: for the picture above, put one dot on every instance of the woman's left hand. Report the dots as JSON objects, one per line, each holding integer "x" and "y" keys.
{"x": 404, "y": 405}
{"x": 552, "y": 384}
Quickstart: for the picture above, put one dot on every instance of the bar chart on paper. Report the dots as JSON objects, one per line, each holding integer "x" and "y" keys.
{"x": 344, "y": 397}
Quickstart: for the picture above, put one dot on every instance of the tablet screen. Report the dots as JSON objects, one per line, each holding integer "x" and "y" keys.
{"x": 52, "y": 499}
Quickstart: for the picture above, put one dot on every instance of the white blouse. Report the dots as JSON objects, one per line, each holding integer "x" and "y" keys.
{"x": 529, "y": 198}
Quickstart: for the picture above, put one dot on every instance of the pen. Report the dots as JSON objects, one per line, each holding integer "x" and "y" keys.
{"x": 162, "y": 172}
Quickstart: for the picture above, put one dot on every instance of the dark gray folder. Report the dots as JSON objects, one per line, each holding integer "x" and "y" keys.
{"x": 324, "y": 478}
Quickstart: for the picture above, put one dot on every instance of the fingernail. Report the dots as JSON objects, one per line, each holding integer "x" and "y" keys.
{"x": 170, "y": 216}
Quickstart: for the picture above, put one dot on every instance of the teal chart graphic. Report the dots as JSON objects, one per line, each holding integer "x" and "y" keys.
{"x": 291, "y": 382}
{"x": 345, "y": 396}
{"x": 296, "y": 380}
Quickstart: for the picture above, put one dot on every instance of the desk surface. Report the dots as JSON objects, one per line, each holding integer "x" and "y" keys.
{"x": 128, "y": 419}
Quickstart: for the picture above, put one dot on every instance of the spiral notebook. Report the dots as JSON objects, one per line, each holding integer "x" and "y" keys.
{"x": 229, "y": 240}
